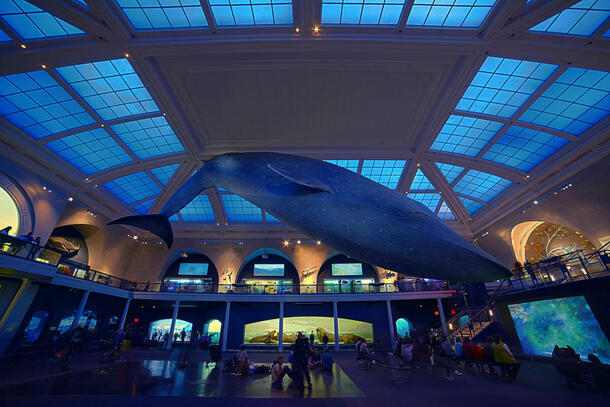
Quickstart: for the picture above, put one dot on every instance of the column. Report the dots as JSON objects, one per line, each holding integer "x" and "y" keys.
{"x": 280, "y": 346}
{"x": 16, "y": 311}
{"x": 336, "y": 321}
{"x": 173, "y": 326}
{"x": 225, "y": 327}
{"x": 24, "y": 286}
{"x": 390, "y": 322}
{"x": 442, "y": 314}
{"x": 124, "y": 314}
{"x": 79, "y": 311}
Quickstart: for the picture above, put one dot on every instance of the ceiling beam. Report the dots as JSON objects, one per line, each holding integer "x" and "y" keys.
{"x": 137, "y": 166}
{"x": 476, "y": 164}
{"x": 531, "y": 16}
{"x": 448, "y": 195}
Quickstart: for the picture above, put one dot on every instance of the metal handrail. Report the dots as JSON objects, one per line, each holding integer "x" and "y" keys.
{"x": 15, "y": 247}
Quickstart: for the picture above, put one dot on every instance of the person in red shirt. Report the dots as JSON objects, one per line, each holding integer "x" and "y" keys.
{"x": 468, "y": 352}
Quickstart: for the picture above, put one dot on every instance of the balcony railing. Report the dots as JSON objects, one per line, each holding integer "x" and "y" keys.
{"x": 24, "y": 249}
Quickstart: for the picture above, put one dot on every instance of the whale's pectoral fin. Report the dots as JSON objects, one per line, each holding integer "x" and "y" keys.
{"x": 300, "y": 179}
{"x": 157, "y": 224}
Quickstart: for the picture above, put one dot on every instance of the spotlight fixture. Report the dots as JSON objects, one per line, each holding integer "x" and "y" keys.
{"x": 22, "y": 46}
{"x": 44, "y": 188}
{"x": 126, "y": 55}
{"x": 319, "y": 242}
{"x": 298, "y": 242}
{"x": 297, "y": 29}
{"x": 316, "y": 29}
{"x": 285, "y": 243}
{"x": 70, "y": 199}
{"x": 43, "y": 66}
{"x": 535, "y": 202}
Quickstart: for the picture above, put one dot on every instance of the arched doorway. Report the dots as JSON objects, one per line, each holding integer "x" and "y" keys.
{"x": 16, "y": 209}
{"x": 340, "y": 273}
{"x": 190, "y": 271}
{"x": 159, "y": 328}
{"x": 9, "y": 213}
{"x": 213, "y": 328}
{"x": 534, "y": 241}
{"x": 267, "y": 271}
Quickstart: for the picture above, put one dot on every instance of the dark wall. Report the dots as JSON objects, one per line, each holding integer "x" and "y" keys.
{"x": 8, "y": 289}
{"x": 374, "y": 312}
{"x": 172, "y": 271}
{"x": 595, "y": 292}
{"x": 243, "y": 313}
{"x": 421, "y": 313}
{"x": 105, "y": 308}
{"x": 368, "y": 271}
{"x": 290, "y": 272}
{"x": 198, "y": 313}
{"x": 147, "y": 311}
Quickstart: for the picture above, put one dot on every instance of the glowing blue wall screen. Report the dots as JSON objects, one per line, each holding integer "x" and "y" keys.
{"x": 269, "y": 270}
{"x": 347, "y": 269}
{"x": 562, "y": 321}
{"x": 193, "y": 269}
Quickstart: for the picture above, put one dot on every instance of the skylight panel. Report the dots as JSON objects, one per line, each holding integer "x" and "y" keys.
{"x": 4, "y": 37}
{"x": 503, "y": 85}
{"x": 112, "y": 88}
{"x": 470, "y": 205}
{"x": 270, "y": 218}
{"x": 451, "y": 172}
{"x": 481, "y": 185}
{"x": 133, "y": 187}
{"x": 465, "y": 135}
{"x": 251, "y": 12}
{"x": 583, "y": 18}
{"x": 577, "y": 100}
{"x": 198, "y": 210}
{"x": 606, "y": 34}
{"x": 148, "y": 138}
{"x": 430, "y": 200}
{"x": 524, "y": 148}
{"x": 163, "y": 14}
{"x": 239, "y": 210}
{"x": 33, "y": 23}
{"x": 385, "y": 172}
{"x": 351, "y": 165}
{"x": 362, "y": 12}
{"x": 90, "y": 151}
{"x": 450, "y": 13}
{"x": 445, "y": 213}
{"x": 144, "y": 207}
{"x": 164, "y": 174}
{"x": 421, "y": 182}
{"x": 38, "y": 105}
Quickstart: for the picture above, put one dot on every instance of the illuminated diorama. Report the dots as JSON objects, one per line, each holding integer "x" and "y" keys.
{"x": 404, "y": 327}
{"x": 569, "y": 321}
{"x": 548, "y": 240}
{"x": 212, "y": 328}
{"x": 267, "y": 331}
{"x": 87, "y": 319}
{"x": 159, "y": 328}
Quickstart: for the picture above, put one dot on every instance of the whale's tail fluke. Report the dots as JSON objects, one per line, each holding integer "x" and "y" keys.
{"x": 157, "y": 224}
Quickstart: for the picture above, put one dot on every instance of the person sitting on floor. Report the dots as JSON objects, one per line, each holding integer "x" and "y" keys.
{"x": 278, "y": 371}
{"x": 362, "y": 351}
{"x": 241, "y": 365}
{"x": 468, "y": 352}
{"x": 503, "y": 356}
{"x": 316, "y": 359}
{"x": 327, "y": 362}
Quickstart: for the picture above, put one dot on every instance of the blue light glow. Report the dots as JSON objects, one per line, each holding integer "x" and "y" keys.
{"x": 198, "y": 210}
{"x": 445, "y": 213}
{"x": 470, "y": 205}
{"x": 82, "y": 3}
{"x": 239, "y": 210}
{"x": 385, "y": 172}
{"x": 164, "y": 174}
{"x": 450, "y": 13}
{"x": 36, "y": 104}
{"x": 524, "y": 148}
{"x": 451, "y": 172}
{"x": 430, "y": 200}
{"x": 111, "y": 88}
{"x": 144, "y": 207}
{"x": 583, "y": 18}
{"x": 577, "y": 100}
{"x": 465, "y": 135}
{"x": 503, "y": 85}
{"x": 251, "y": 12}
{"x": 90, "y": 151}
{"x": 32, "y": 23}
{"x": 163, "y": 14}
{"x": 270, "y": 218}
{"x": 351, "y": 165}
{"x": 148, "y": 137}
{"x": 481, "y": 185}
{"x": 364, "y": 12}
{"x": 421, "y": 183}
{"x": 133, "y": 187}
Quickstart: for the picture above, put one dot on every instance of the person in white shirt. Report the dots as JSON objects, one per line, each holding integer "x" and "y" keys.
{"x": 278, "y": 371}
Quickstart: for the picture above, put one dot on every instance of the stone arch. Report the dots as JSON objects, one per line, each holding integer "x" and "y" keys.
{"x": 27, "y": 217}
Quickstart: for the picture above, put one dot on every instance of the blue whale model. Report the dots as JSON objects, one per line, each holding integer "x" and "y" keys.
{"x": 348, "y": 212}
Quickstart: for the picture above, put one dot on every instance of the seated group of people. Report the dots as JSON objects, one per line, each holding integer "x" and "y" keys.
{"x": 484, "y": 356}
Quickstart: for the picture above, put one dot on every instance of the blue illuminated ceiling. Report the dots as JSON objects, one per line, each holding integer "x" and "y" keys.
{"x": 450, "y": 13}
{"x": 33, "y": 23}
{"x": 4, "y": 37}
{"x": 582, "y": 19}
{"x": 133, "y": 188}
{"x": 148, "y": 137}
{"x": 421, "y": 183}
{"x": 465, "y": 135}
{"x": 163, "y": 14}
{"x": 351, "y": 165}
{"x": 143, "y": 207}
{"x": 362, "y": 12}
{"x": 481, "y": 186}
{"x": 385, "y": 172}
{"x": 164, "y": 174}
{"x": 430, "y": 200}
{"x": 445, "y": 213}
{"x": 451, "y": 172}
{"x": 239, "y": 210}
{"x": 111, "y": 88}
{"x": 199, "y": 210}
{"x": 231, "y": 13}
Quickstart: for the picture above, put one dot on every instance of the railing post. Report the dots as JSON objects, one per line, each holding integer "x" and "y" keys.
{"x": 124, "y": 314}
{"x": 280, "y": 343}
{"x": 173, "y": 325}
{"x": 442, "y": 314}
{"x": 79, "y": 311}
{"x": 336, "y": 324}
{"x": 225, "y": 327}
